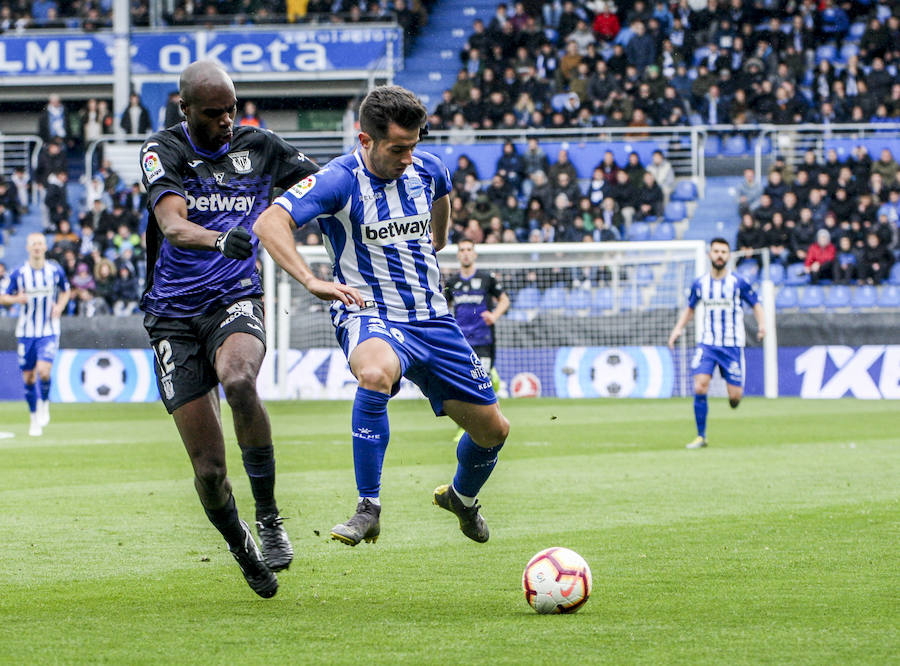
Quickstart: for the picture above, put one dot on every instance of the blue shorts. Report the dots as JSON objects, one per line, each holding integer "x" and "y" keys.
{"x": 32, "y": 350}
{"x": 730, "y": 361}
{"x": 433, "y": 354}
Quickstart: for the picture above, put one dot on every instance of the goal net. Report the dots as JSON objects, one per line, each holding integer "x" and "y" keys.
{"x": 587, "y": 320}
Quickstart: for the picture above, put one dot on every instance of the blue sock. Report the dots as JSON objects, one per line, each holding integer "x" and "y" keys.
{"x": 475, "y": 466}
{"x": 700, "y": 410}
{"x": 371, "y": 432}
{"x": 45, "y": 389}
{"x": 31, "y": 397}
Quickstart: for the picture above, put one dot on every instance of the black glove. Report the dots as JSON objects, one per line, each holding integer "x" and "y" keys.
{"x": 235, "y": 243}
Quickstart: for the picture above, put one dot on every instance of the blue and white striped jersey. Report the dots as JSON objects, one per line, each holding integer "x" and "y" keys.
{"x": 43, "y": 286}
{"x": 723, "y": 316}
{"x": 377, "y": 233}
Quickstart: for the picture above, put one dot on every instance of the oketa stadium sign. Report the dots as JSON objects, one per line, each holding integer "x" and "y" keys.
{"x": 126, "y": 375}
{"x": 258, "y": 52}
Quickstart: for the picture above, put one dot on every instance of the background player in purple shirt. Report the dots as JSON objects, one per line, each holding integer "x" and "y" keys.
{"x": 478, "y": 300}
{"x": 722, "y": 294}
{"x": 207, "y": 181}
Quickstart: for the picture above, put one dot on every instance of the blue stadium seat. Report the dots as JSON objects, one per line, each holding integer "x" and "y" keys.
{"x": 638, "y": 231}
{"x": 894, "y": 275}
{"x": 786, "y": 298}
{"x": 528, "y": 298}
{"x": 601, "y": 300}
{"x": 776, "y": 273}
{"x": 665, "y": 231}
{"x": 813, "y": 297}
{"x": 838, "y": 296}
{"x": 848, "y": 50}
{"x": 685, "y": 190}
{"x": 675, "y": 211}
{"x": 664, "y": 296}
{"x": 735, "y": 145}
{"x": 644, "y": 274}
{"x": 713, "y": 145}
{"x": 856, "y": 31}
{"x": 578, "y": 302}
{"x": 889, "y": 296}
{"x": 795, "y": 275}
{"x": 553, "y": 298}
{"x": 629, "y": 299}
{"x": 865, "y": 296}
{"x": 826, "y": 52}
{"x": 748, "y": 269}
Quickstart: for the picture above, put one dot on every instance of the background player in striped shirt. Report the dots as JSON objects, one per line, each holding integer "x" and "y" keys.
{"x": 41, "y": 289}
{"x": 384, "y": 210}
{"x": 722, "y": 294}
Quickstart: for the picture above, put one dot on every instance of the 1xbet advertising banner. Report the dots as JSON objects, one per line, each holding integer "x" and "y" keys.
{"x": 126, "y": 375}
{"x": 245, "y": 51}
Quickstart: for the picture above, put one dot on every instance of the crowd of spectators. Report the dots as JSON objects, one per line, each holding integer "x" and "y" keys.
{"x": 568, "y": 63}
{"x": 90, "y": 16}
{"x": 836, "y": 219}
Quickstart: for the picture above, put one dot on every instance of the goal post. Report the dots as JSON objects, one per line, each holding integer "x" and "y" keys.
{"x": 587, "y": 320}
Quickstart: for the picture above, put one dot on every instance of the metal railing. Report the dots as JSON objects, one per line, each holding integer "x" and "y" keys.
{"x": 20, "y": 150}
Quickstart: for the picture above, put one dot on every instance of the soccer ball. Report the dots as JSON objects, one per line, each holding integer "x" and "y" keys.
{"x": 614, "y": 374}
{"x": 557, "y": 580}
{"x": 103, "y": 377}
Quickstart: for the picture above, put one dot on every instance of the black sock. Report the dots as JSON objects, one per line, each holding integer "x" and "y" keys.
{"x": 226, "y": 520}
{"x": 259, "y": 461}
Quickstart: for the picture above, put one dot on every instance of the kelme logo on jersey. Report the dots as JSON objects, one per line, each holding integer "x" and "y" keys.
{"x": 216, "y": 203}
{"x": 153, "y": 168}
{"x": 398, "y": 230}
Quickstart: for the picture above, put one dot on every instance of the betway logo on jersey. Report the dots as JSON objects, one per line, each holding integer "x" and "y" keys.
{"x": 216, "y": 203}
{"x": 398, "y": 230}
{"x": 469, "y": 299}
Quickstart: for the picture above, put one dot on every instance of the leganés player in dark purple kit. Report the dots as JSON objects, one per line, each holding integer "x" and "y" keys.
{"x": 207, "y": 181}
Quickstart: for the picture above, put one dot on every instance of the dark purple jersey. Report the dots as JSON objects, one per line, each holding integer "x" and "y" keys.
{"x": 224, "y": 189}
{"x": 469, "y": 297}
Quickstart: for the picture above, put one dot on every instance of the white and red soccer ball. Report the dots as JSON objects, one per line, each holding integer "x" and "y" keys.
{"x": 557, "y": 580}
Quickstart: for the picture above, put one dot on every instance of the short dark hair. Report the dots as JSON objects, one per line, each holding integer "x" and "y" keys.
{"x": 390, "y": 104}
{"x": 719, "y": 239}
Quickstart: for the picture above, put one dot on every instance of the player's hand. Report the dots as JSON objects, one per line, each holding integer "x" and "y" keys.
{"x": 20, "y": 297}
{"x": 56, "y": 312}
{"x": 673, "y": 338}
{"x": 235, "y": 243}
{"x": 335, "y": 291}
{"x": 760, "y": 332}
{"x": 489, "y": 317}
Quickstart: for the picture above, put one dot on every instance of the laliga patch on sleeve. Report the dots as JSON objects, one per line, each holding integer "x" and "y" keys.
{"x": 153, "y": 168}
{"x": 300, "y": 189}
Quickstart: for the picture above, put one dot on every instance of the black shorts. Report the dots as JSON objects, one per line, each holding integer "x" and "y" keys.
{"x": 486, "y": 354}
{"x": 185, "y": 348}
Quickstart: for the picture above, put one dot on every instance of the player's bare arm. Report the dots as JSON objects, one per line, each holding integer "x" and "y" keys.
{"x": 491, "y": 316}
{"x": 61, "y": 302}
{"x": 686, "y": 315}
{"x": 12, "y": 299}
{"x": 172, "y": 217}
{"x": 760, "y": 316}
{"x": 440, "y": 221}
{"x": 274, "y": 228}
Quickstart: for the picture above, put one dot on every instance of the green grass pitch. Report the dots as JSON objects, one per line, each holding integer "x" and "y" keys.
{"x": 777, "y": 544}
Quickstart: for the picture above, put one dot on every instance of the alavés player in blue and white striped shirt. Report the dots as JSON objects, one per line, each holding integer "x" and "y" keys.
{"x": 384, "y": 210}
{"x": 722, "y": 294}
{"x": 41, "y": 289}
